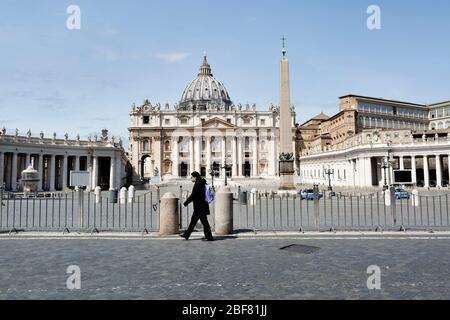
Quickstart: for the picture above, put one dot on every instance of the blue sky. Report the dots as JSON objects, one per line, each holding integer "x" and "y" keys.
{"x": 53, "y": 79}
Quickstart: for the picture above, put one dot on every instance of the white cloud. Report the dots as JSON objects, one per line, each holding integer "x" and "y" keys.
{"x": 171, "y": 57}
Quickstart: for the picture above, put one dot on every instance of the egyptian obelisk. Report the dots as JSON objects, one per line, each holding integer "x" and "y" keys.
{"x": 286, "y": 150}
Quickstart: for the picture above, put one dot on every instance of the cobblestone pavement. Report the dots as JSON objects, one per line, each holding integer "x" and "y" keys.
{"x": 231, "y": 268}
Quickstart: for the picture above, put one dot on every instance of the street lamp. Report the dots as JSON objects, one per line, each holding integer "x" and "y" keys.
{"x": 212, "y": 172}
{"x": 329, "y": 172}
{"x": 385, "y": 165}
{"x": 226, "y": 167}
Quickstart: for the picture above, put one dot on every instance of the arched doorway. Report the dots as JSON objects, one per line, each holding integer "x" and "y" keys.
{"x": 247, "y": 169}
{"x": 216, "y": 169}
{"x": 203, "y": 171}
{"x": 145, "y": 167}
{"x": 184, "y": 170}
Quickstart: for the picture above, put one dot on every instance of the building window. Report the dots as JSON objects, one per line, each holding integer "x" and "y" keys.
{"x": 263, "y": 122}
{"x": 167, "y": 122}
{"x": 184, "y": 121}
{"x": 146, "y": 145}
{"x": 167, "y": 145}
{"x": 229, "y": 121}
{"x": 145, "y": 119}
{"x": 247, "y": 143}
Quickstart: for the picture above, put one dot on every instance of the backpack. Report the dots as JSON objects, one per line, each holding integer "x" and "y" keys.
{"x": 209, "y": 194}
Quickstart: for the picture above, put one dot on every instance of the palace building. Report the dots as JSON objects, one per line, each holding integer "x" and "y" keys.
{"x": 367, "y": 132}
{"x": 205, "y": 132}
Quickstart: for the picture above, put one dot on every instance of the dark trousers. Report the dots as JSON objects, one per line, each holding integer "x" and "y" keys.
{"x": 206, "y": 227}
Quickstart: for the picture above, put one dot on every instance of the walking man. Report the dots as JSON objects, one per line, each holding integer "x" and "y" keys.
{"x": 201, "y": 207}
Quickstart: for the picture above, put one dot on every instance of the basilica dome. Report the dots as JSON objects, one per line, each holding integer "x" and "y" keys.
{"x": 205, "y": 92}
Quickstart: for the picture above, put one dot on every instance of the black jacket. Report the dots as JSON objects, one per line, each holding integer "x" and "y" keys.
{"x": 197, "y": 196}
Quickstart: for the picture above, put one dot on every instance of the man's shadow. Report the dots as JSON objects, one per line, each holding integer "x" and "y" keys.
{"x": 216, "y": 238}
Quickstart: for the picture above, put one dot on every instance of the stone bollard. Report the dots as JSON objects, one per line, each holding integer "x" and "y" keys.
{"x": 169, "y": 217}
{"x": 98, "y": 194}
{"x": 224, "y": 211}
{"x": 123, "y": 195}
{"x": 387, "y": 198}
{"x": 131, "y": 192}
{"x": 415, "y": 198}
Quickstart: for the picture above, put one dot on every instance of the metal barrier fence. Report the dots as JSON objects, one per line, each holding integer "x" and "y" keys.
{"x": 79, "y": 211}
{"x": 267, "y": 211}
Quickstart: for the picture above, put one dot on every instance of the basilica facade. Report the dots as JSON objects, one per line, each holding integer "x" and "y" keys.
{"x": 205, "y": 132}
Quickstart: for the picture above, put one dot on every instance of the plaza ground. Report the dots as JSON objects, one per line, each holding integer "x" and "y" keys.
{"x": 244, "y": 266}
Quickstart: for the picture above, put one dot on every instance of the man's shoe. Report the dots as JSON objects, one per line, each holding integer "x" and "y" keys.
{"x": 184, "y": 236}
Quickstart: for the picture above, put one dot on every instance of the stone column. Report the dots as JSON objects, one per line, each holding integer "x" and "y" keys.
{"x": 112, "y": 173}
{"x": 275, "y": 157}
{"x": 383, "y": 174}
{"x": 191, "y": 155}
{"x": 358, "y": 172}
{"x": 368, "y": 171}
{"x": 255, "y": 157}
{"x": 234, "y": 157}
{"x": 239, "y": 154}
{"x": 89, "y": 168}
{"x": 64, "y": 172}
{"x": 77, "y": 163}
{"x": 223, "y": 145}
{"x": 438, "y": 172}
{"x": 448, "y": 165}
{"x": 402, "y": 163}
{"x": 40, "y": 167}
{"x": 158, "y": 156}
{"x": 208, "y": 155}
{"x": 198, "y": 151}
{"x": 2, "y": 169}
{"x": 353, "y": 168}
{"x": 175, "y": 158}
{"x": 414, "y": 170}
{"x": 119, "y": 170}
{"x": 272, "y": 157}
{"x": 295, "y": 155}
{"x": 426, "y": 172}
{"x": 27, "y": 160}
{"x": 94, "y": 172}
{"x": 14, "y": 172}
{"x": 52, "y": 172}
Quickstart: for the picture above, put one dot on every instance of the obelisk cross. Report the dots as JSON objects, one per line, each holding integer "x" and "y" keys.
{"x": 284, "y": 42}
